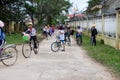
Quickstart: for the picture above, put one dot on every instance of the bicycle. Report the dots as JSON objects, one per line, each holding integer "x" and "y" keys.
{"x": 8, "y": 54}
{"x": 28, "y": 46}
{"x": 79, "y": 40}
{"x": 55, "y": 46}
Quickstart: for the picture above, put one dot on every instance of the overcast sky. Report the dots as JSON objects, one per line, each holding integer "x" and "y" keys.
{"x": 80, "y": 4}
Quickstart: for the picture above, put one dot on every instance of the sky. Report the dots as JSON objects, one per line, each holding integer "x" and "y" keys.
{"x": 80, "y": 4}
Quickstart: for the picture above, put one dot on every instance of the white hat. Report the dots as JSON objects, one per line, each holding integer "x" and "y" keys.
{"x": 94, "y": 25}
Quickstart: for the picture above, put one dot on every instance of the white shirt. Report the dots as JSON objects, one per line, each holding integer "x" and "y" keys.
{"x": 79, "y": 30}
{"x": 44, "y": 29}
{"x": 33, "y": 32}
{"x": 61, "y": 34}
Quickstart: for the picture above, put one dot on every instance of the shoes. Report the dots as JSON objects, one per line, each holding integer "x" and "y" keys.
{"x": 63, "y": 50}
{"x": 35, "y": 51}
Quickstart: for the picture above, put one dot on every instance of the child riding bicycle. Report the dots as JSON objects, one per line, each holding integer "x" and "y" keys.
{"x": 32, "y": 32}
{"x": 62, "y": 37}
{"x": 79, "y": 34}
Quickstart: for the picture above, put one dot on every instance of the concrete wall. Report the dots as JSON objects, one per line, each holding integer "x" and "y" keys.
{"x": 108, "y": 27}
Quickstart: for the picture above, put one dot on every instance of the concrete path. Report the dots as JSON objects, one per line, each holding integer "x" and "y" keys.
{"x": 73, "y": 64}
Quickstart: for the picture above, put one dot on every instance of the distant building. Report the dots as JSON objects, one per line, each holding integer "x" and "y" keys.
{"x": 75, "y": 16}
{"x": 109, "y": 6}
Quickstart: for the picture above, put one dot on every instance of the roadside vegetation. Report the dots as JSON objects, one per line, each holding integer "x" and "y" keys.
{"x": 15, "y": 38}
{"x": 104, "y": 54}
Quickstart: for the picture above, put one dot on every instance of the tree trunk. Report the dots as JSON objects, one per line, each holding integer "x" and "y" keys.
{"x": 17, "y": 27}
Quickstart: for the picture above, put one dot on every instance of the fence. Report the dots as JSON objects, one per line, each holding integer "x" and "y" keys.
{"x": 108, "y": 27}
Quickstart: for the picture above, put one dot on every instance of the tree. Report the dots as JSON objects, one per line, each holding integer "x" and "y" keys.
{"x": 15, "y": 10}
{"x": 92, "y": 3}
{"x": 47, "y": 9}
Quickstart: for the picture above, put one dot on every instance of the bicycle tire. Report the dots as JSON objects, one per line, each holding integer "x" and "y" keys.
{"x": 26, "y": 50}
{"x": 55, "y": 46}
{"x": 79, "y": 41}
{"x": 37, "y": 50}
{"x": 11, "y": 55}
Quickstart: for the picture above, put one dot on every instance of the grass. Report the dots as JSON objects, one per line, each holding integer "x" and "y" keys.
{"x": 14, "y": 39}
{"x": 104, "y": 54}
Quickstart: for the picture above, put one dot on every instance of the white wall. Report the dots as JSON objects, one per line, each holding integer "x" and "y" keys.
{"x": 109, "y": 27}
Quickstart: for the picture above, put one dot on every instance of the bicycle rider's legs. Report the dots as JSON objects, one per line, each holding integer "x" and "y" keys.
{"x": 63, "y": 44}
{"x": 81, "y": 39}
{"x": 34, "y": 38}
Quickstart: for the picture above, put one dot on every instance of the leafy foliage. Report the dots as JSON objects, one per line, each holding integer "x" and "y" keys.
{"x": 41, "y": 9}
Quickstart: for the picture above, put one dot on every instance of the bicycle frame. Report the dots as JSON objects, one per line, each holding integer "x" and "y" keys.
{"x": 5, "y": 47}
{"x": 79, "y": 40}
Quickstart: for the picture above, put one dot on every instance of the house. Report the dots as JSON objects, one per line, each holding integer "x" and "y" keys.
{"x": 109, "y": 6}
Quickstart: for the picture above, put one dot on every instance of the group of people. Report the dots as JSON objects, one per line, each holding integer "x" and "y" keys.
{"x": 48, "y": 31}
{"x": 64, "y": 33}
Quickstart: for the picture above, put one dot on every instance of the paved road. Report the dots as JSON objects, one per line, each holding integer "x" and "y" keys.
{"x": 73, "y": 64}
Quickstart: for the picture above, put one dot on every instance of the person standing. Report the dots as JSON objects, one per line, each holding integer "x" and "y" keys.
{"x": 48, "y": 30}
{"x": 79, "y": 34}
{"x": 53, "y": 29}
{"x": 67, "y": 33}
{"x": 93, "y": 35}
{"x": 45, "y": 31}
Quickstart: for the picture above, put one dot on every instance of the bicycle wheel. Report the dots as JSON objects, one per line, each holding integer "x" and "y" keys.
{"x": 36, "y": 50}
{"x": 55, "y": 46}
{"x": 26, "y": 50}
{"x": 9, "y": 56}
{"x": 79, "y": 41}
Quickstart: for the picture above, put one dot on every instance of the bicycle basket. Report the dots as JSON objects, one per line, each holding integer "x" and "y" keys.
{"x": 25, "y": 38}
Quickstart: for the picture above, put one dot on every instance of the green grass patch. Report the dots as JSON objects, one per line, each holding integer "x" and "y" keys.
{"x": 14, "y": 39}
{"x": 103, "y": 54}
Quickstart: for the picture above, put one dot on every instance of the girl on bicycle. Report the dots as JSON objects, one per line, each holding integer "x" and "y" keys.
{"x": 79, "y": 33}
{"x": 32, "y": 32}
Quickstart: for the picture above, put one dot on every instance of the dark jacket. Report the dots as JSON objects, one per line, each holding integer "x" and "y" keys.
{"x": 93, "y": 31}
